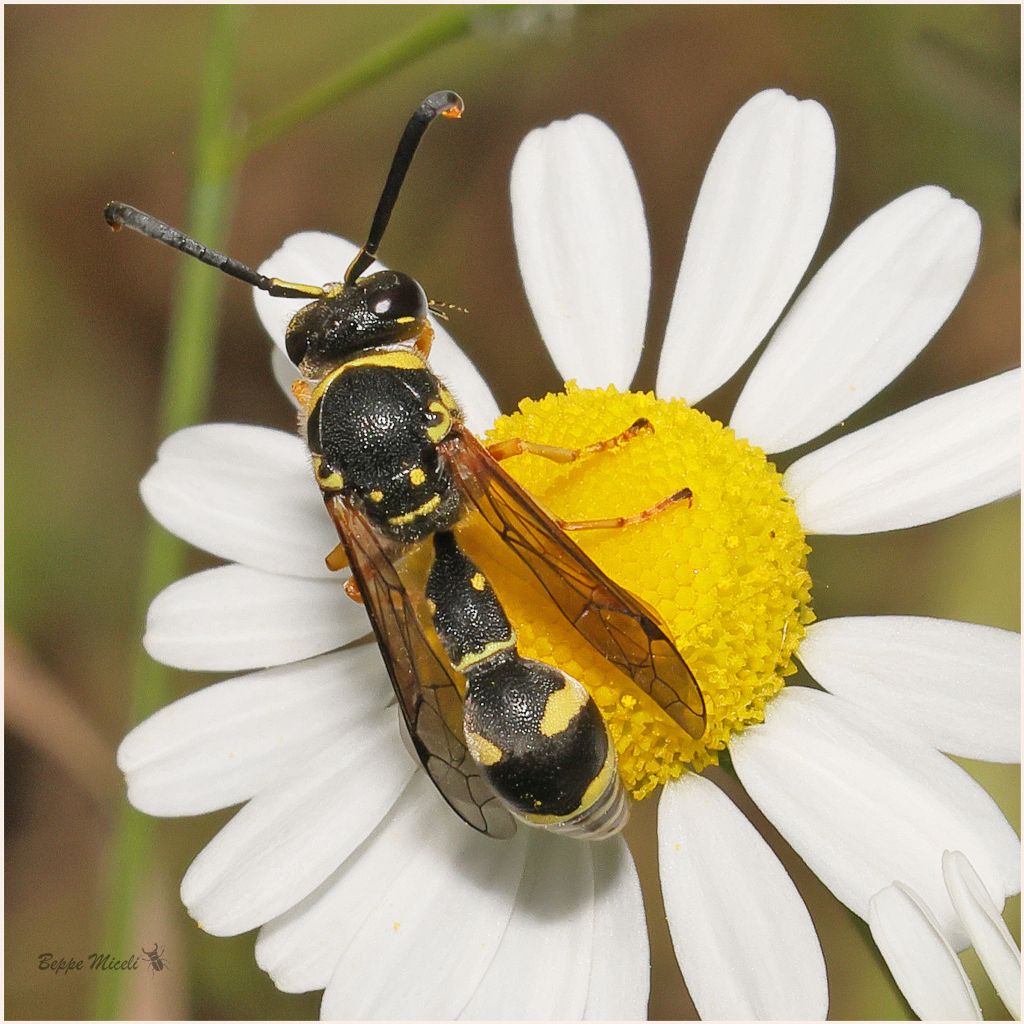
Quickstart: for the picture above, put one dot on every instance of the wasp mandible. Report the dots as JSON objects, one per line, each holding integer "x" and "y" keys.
{"x": 503, "y": 737}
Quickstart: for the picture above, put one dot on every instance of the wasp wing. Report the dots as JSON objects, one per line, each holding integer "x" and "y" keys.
{"x": 428, "y": 688}
{"x": 621, "y": 627}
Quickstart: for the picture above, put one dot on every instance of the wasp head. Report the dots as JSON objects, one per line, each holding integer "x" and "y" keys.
{"x": 386, "y": 308}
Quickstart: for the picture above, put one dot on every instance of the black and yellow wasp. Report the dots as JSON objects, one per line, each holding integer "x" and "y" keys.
{"x": 501, "y": 736}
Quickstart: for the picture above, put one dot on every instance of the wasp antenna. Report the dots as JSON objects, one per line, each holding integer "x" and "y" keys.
{"x": 437, "y": 307}
{"x": 121, "y": 215}
{"x": 447, "y": 104}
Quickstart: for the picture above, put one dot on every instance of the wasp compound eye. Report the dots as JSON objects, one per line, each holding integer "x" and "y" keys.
{"x": 296, "y": 341}
{"x": 394, "y": 297}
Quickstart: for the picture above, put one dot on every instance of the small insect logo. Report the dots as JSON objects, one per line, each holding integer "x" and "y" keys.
{"x": 155, "y": 957}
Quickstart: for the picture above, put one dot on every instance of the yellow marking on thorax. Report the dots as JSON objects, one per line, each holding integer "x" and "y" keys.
{"x": 401, "y": 359}
{"x": 333, "y": 481}
{"x": 562, "y": 707}
{"x": 376, "y": 496}
{"x": 488, "y": 651}
{"x": 318, "y": 391}
{"x": 478, "y": 581}
{"x": 417, "y": 476}
{"x": 448, "y": 398}
{"x": 482, "y": 750}
{"x": 440, "y": 430}
{"x": 425, "y": 509}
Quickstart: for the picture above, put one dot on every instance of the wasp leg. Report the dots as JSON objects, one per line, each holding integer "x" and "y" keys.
{"x": 303, "y": 392}
{"x": 352, "y": 589}
{"x": 337, "y": 559}
{"x": 520, "y": 446}
{"x": 424, "y": 341}
{"x": 615, "y": 522}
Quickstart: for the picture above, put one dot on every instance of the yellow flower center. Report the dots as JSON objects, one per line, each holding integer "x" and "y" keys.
{"x": 728, "y": 575}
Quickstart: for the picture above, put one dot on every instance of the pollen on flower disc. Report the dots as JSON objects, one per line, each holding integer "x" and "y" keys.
{"x": 728, "y": 575}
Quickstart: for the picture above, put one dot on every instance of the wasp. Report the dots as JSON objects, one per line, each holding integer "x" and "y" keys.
{"x": 503, "y": 737}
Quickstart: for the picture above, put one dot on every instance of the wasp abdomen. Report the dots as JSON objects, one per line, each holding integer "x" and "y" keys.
{"x": 535, "y": 732}
{"x": 544, "y": 747}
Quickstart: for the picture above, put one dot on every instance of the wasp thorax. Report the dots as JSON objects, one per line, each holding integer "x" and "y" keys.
{"x": 383, "y": 309}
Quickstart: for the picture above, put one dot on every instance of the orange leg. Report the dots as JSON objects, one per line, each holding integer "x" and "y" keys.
{"x": 614, "y": 522}
{"x": 424, "y": 341}
{"x": 520, "y": 446}
{"x": 337, "y": 559}
{"x": 303, "y": 392}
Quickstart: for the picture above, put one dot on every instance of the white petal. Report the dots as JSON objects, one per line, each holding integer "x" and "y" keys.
{"x": 863, "y": 318}
{"x": 620, "y": 969}
{"x": 866, "y": 804}
{"x": 922, "y": 962}
{"x": 284, "y": 373}
{"x": 988, "y": 933}
{"x": 289, "y": 838}
{"x": 583, "y": 252}
{"x": 940, "y": 457}
{"x": 313, "y": 257}
{"x": 301, "y": 948}
{"x": 423, "y": 948}
{"x": 741, "y": 932}
{"x": 541, "y": 970}
{"x": 453, "y": 366}
{"x": 233, "y": 617}
{"x": 758, "y": 220}
{"x": 224, "y": 744}
{"x": 953, "y": 684}
{"x": 310, "y": 257}
{"x": 243, "y": 493}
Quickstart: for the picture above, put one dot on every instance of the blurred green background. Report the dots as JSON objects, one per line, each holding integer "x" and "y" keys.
{"x": 102, "y": 103}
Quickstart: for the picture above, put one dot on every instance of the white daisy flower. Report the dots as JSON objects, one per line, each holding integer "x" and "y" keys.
{"x": 925, "y": 966}
{"x": 355, "y": 871}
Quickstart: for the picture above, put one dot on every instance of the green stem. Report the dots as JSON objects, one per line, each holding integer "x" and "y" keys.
{"x": 429, "y": 34}
{"x": 187, "y": 380}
